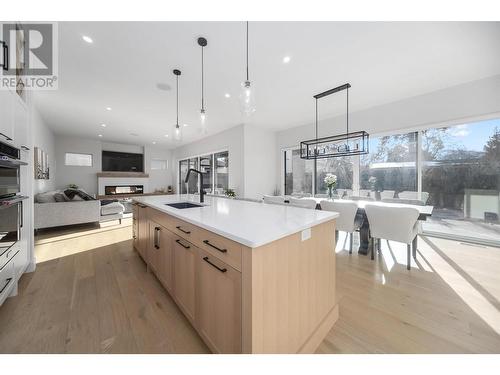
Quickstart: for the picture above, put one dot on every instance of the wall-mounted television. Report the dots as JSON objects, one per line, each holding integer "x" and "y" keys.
{"x": 113, "y": 161}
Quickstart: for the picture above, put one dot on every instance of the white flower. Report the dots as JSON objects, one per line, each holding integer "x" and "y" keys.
{"x": 330, "y": 179}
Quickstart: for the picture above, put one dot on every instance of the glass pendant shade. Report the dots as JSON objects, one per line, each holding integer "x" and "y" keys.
{"x": 247, "y": 98}
{"x": 178, "y": 133}
{"x": 203, "y": 121}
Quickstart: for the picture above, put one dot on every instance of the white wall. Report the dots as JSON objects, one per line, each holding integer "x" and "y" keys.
{"x": 43, "y": 137}
{"x": 231, "y": 140}
{"x": 86, "y": 177}
{"x": 158, "y": 179}
{"x": 259, "y": 162}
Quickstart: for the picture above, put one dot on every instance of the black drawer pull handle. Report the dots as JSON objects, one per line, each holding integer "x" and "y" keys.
{"x": 157, "y": 238}
{"x": 6, "y": 284}
{"x": 213, "y": 265}
{"x": 182, "y": 230}
{"x": 184, "y": 246}
{"x": 207, "y": 242}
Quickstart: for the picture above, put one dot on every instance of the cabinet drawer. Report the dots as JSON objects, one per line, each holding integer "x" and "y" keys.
{"x": 183, "y": 229}
{"x": 226, "y": 250}
{"x": 7, "y": 279}
{"x": 160, "y": 218}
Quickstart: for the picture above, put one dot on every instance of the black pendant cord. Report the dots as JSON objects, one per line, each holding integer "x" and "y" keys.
{"x": 316, "y": 147}
{"x": 347, "y": 117}
{"x": 247, "y": 52}
{"x": 202, "y": 84}
{"x": 177, "y": 83}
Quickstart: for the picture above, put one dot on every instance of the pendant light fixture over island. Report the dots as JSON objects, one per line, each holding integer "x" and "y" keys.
{"x": 247, "y": 95}
{"x": 203, "y": 116}
{"x": 177, "y": 129}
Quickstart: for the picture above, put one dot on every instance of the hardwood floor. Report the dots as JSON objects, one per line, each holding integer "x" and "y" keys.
{"x": 88, "y": 299}
{"x": 94, "y": 301}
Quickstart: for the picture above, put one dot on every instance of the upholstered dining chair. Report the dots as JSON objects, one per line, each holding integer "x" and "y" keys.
{"x": 398, "y": 224}
{"x": 387, "y": 194}
{"x": 271, "y": 199}
{"x": 303, "y": 202}
{"x": 347, "y": 221}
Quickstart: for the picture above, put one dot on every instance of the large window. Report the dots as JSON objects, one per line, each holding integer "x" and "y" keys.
{"x": 206, "y": 163}
{"x": 215, "y": 169}
{"x": 221, "y": 160}
{"x": 456, "y": 167}
{"x": 298, "y": 174}
{"x": 390, "y": 169}
{"x": 342, "y": 167}
{"x": 461, "y": 178}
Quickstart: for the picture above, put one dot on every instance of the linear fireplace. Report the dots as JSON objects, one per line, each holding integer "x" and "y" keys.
{"x": 123, "y": 189}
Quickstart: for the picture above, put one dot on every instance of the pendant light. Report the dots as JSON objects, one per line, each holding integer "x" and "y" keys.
{"x": 177, "y": 129}
{"x": 202, "y": 42}
{"x": 247, "y": 95}
{"x": 346, "y": 144}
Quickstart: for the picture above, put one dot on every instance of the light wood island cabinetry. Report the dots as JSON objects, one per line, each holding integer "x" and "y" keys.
{"x": 275, "y": 298}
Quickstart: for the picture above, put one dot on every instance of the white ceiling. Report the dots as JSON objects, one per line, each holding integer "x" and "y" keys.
{"x": 384, "y": 62}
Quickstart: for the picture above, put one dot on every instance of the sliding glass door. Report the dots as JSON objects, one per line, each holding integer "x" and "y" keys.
{"x": 215, "y": 170}
{"x": 461, "y": 178}
{"x": 221, "y": 162}
{"x": 298, "y": 174}
{"x": 390, "y": 169}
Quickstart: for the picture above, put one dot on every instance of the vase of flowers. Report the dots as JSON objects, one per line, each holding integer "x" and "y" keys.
{"x": 331, "y": 182}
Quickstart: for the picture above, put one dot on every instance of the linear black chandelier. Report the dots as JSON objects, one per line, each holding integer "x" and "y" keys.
{"x": 348, "y": 144}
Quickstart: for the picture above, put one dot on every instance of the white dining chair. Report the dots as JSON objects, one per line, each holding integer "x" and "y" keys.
{"x": 387, "y": 194}
{"x": 415, "y": 202}
{"x": 347, "y": 220}
{"x": 364, "y": 192}
{"x": 321, "y": 195}
{"x": 271, "y": 199}
{"x": 358, "y": 198}
{"x": 303, "y": 202}
{"x": 424, "y": 196}
{"x": 398, "y": 224}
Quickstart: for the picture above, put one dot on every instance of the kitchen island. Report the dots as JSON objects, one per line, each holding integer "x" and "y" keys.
{"x": 250, "y": 277}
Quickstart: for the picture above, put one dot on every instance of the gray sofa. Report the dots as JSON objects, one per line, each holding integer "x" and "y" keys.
{"x": 54, "y": 209}
{"x": 66, "y": 213}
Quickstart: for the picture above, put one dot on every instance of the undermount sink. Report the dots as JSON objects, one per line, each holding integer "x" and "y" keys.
{"x": 182, "y": 205}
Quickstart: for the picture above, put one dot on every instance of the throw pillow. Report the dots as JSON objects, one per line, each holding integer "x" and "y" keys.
{"x": 59, "y": 197}
{"x": 75, "y": 194}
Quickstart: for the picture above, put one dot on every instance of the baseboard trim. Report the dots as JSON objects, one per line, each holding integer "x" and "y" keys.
{"x": 317, "y": 337}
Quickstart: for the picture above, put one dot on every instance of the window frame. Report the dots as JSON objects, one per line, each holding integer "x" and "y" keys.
{"x": 80, "y": 154}
{"x": 197, "y": 157}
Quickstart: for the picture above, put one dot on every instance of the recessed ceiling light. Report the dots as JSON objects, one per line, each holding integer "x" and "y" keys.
{"x": 166, "y": 135}
{"x": 88, "y": 39}
{"x": 186, "y": 125}
{"x": 100, "y": 135}
{"x": 154, "y": 142}
{"x": 286, "y": 59}
{"x": 108, "y": 108}
{"x": 103, "y": 125}
{"x": 227, "y": 95}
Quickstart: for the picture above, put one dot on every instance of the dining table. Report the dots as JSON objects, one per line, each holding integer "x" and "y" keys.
{"x": 425, "y": 211}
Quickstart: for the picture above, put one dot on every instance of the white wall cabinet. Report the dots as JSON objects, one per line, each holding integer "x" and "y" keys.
{"x": 6, "y": 116}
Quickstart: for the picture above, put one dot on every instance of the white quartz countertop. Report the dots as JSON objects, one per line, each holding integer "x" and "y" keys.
{"x": 249, "y": 223}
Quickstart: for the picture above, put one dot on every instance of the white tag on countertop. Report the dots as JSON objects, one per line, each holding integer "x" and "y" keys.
{"x": 306, "y": 234}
